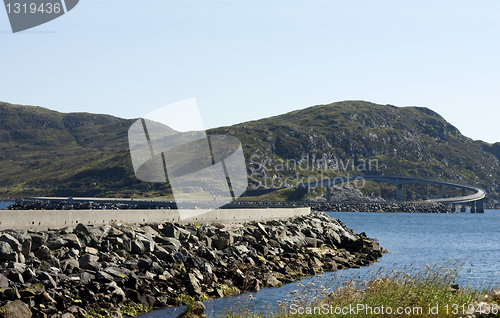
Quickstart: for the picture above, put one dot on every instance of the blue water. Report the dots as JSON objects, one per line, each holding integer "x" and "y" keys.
{"x": 416, "y": 239}
{"x": 3, "y": 204}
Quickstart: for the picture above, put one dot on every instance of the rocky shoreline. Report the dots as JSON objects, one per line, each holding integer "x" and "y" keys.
{"x": 86, "y": 270}
{"x": 388, "y": 207}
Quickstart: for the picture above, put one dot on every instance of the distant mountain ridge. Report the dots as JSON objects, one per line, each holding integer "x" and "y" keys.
{"x": 48, "y": 152}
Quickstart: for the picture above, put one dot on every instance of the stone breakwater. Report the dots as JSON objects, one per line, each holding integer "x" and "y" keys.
{"x": 390, "y": 207}
{"x": 35, "y": 204}
{"x": 72, "y": 272}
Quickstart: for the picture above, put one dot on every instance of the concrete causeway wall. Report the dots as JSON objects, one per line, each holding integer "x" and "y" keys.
{"x": 54, "y": 219}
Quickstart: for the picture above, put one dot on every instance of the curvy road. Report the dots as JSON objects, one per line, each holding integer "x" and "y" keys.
{"x": 475, "y": 201}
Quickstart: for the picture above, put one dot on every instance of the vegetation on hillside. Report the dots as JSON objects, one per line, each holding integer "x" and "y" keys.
{"x": 50, "y": 153}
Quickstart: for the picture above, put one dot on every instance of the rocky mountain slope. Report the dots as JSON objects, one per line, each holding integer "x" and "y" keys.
{"x": 408, "y": 141}
{"x": 47, "y": 152}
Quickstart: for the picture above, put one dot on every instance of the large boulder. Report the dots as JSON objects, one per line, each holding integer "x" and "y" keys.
{"x": 15, "y": 309}
{"x": 13, "y": 242}
{"x": 72, "y": 241}
{"x": 192, "y": 284}
{"x": 38, "y": 240}
{"x": 89, "y": 262}
{"x": 6, "y": 252}
{"x": 43, "y": 252}
{"x": 197, "y": 310}
{"x": 171, "y": 231}
{"x": 138, "y": 247}
{"x": 55, "y": 243}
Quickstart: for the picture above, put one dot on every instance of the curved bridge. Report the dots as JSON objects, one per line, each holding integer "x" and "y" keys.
{"x": 475, "y": 201}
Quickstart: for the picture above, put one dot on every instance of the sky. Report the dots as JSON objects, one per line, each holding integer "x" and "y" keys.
{"x": 246, "y": 60}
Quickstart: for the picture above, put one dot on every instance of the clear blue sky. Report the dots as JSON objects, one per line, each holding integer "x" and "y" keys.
{"x": 245, "y": 60}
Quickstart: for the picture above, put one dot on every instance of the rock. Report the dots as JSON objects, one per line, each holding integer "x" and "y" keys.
{"x": 6, "y": 252}
{"x": 10, "y": 294}
{"x": 33, "y": 290}
{"x": 262, "y": 249}
{"x": 15, "y": 309}
{"x": 149, "y": 244}
{"x": 183, "y": 235}
{"x": 138, "y": 247}
{"x": 77, "y": 311}
{"x": 91, "y": 250}
{"x": 118, "y": 241}
{"x": 37, "y": 240}
{"x": 89, "y": 262}
{"x": 197, "y": 310}
{"x": 4, "y": 281}
{"x": 311, "y": 242}
{"x": 161, "y": 253}
{"x": 119, "y": 295}
{"x": 171, "y": 243}
{"x": 253, "y": 284}
{"x": 47, "y": 280}
{"x": 55, "y": 243}
{"x": 86, "y": 278}
{"x": 69, "y": 265}
{"x": 241, "y": 249}
{"x": 104, "y": 277}
{"x": 43, "y": 252}
{"x": 117, "y": 271}
{"x": 132, "y": 282}
{"x": 128, "y": 233}
{"x": 13, "y": 242}
{"x": 171, "y": 231}
{"x": 192, "y": 284}
{"x": 208, "y": 254}
{"x": 271, "y": 281}
{"x": 19, "y": 267}
{"x": 72, "y": 241}
{"x": 220, "y": 243}
{"x": 114, "y": 232}
{"x": 15, "y": 276}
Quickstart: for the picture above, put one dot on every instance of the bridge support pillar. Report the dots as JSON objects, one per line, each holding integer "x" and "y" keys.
{"x": 399, "y": 192}
{"x": 440, "y": 191}
{"x": 472, "y": 207}
{"x": 480, "y": 206}
{"x": 462, "y": 209}
{"x": 453, "y": 207}
{"x": 328, "y": 193}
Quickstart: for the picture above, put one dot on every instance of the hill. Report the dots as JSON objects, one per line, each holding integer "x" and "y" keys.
{"x": 408, "y": 141}
{"x": 45, "y": 152}
{"x": 52, "y": 153}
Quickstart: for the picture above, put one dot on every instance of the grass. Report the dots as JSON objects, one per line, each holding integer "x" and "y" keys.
{"x": 126, "y": 310}
{"x": 429, "y": 291}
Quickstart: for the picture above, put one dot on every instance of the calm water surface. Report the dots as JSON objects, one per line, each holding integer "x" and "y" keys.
{"x": 417, "y": 239}
{"x": 3, "y": 204}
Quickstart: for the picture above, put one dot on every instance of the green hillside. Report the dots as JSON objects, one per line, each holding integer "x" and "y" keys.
{"x": 50, "y": 153}
{"x": 409, "y": 141}
{"x": 44, "y": 152}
